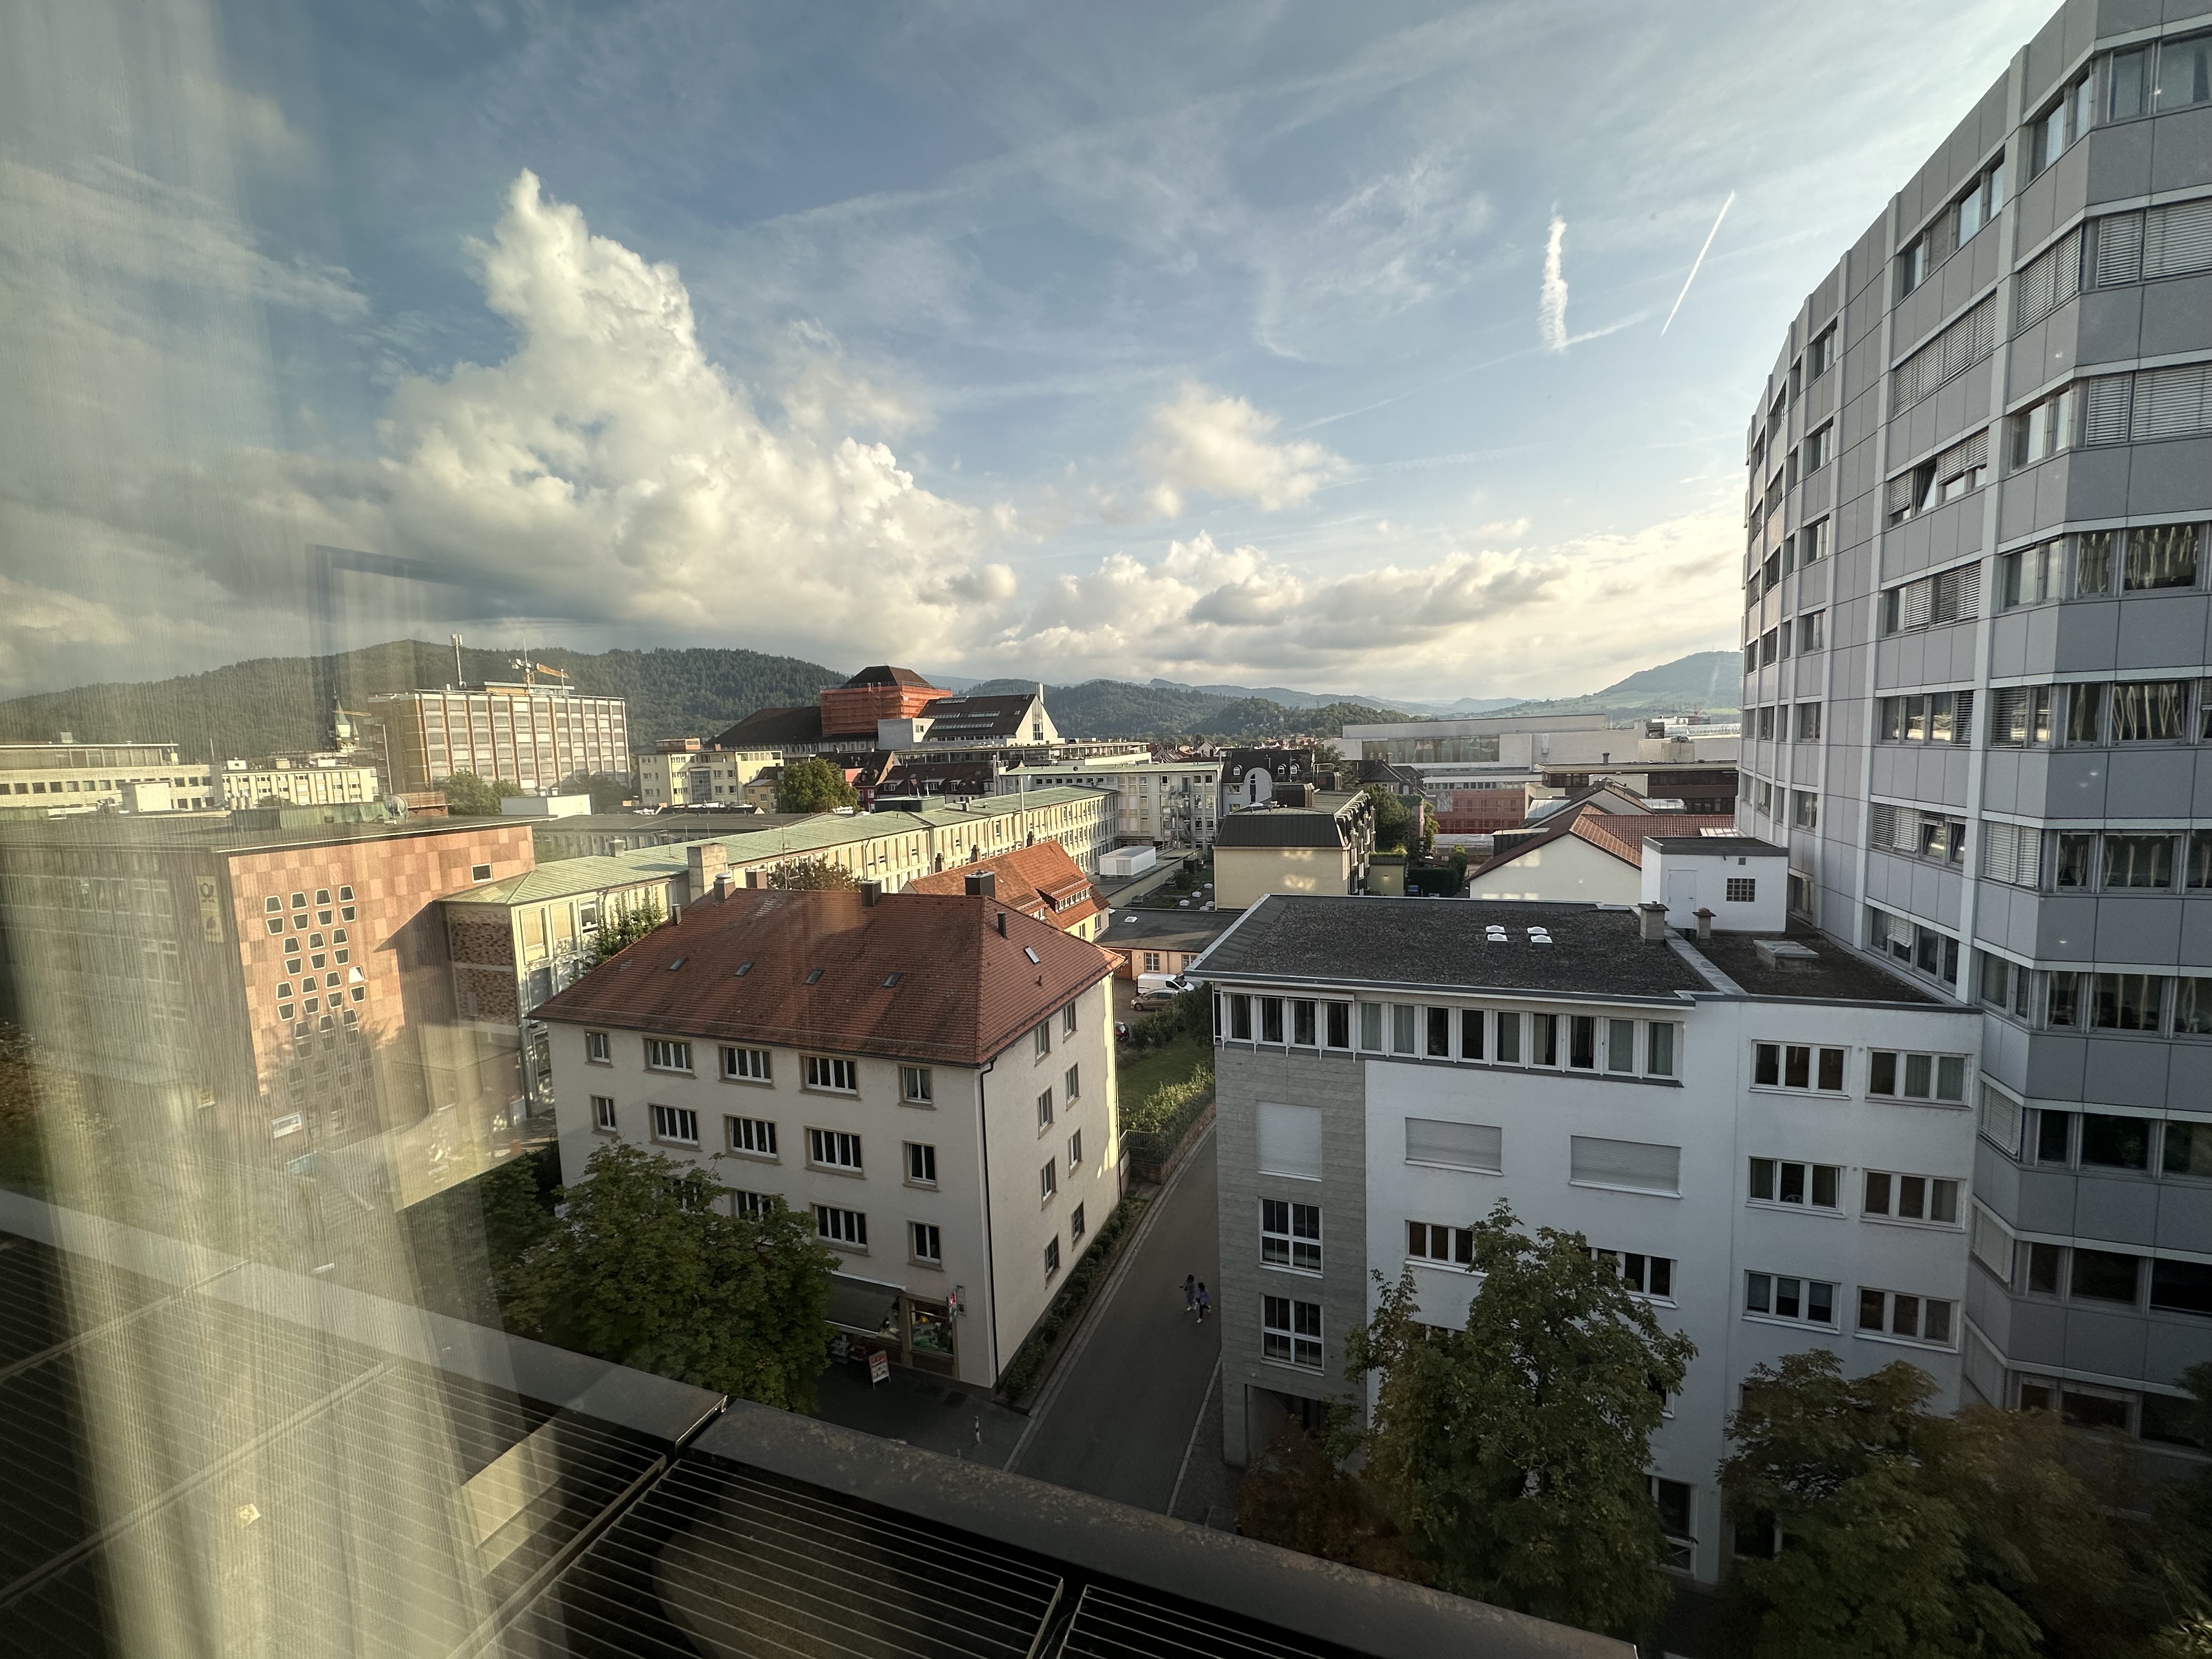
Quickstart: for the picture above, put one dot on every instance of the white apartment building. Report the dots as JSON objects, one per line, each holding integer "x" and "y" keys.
{"x": 929, "y": 1077}
{"x": 536, "y": 736}
{"x": 1167, "y": 803}
{"x": 1775, "y": 1148}
{"x": 68, "y": 776}
{"x": 681, "y": 773}
{"x": 297, "y": 781}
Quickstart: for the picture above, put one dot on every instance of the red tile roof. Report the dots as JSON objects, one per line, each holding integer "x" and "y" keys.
{"x": 1031, "y": 879}
{"x": 962, "y": 992}
{"x": 1621, "y": 834}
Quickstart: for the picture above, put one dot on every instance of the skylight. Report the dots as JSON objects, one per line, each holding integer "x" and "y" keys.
{"x": 1030, "y": 954}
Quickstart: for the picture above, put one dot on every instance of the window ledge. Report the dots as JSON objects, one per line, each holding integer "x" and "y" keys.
{"x": 1906, "y": 1221}
{"x": 813, "y": 1168}
{"x": 750, "y": 1082}
{"x": 1886, "y": 1338}
{"x": 1776, "y": 1206}
{"x": 1456, "y": 1169}
{"x": 924, "y": 1262}
{"x": 923, "y": 1186}
{"x": 1790, "y": 1324}
{"x": 838, "y": 1094}
{"x": 1314, "y": 1273}
{"x": 840, "y": 1244}
{"x": 754, "y": 1158}
{"x": 1608, "y": 1186}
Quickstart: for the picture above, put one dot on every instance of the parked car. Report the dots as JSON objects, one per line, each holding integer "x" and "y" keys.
{"x": 1153, "y": 989}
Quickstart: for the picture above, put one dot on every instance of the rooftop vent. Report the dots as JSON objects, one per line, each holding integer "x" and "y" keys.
{"x": 984, "y": 884}
{"x": 871, "y": 893}
{"x": 1786, "y": 956}
{"x": 1652, "y": 919}
{"x": 674, "y": 965}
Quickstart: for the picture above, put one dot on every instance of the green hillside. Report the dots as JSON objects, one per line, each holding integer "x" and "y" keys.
{"x": 1711, "y": 680}
{"x": 271, "y": 705}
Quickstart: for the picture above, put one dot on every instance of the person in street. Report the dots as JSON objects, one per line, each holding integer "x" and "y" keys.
{"x": 1203, "y": 1302}
{"x": 1190, "y": 1293}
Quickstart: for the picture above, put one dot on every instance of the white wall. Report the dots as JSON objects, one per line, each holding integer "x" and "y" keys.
{"x": 1687, "y": 882}
{"x": 1712, "y": 1230}
{"x": 1569, "y": 870}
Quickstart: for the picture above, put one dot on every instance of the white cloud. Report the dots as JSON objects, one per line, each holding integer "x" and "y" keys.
{"x": 1552, "y": 297}
{"x": 1541, "y": 619}
{"x": 1209, "y": 443}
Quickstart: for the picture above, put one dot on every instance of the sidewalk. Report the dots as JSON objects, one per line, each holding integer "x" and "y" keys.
{"x": 920, "y": 1410}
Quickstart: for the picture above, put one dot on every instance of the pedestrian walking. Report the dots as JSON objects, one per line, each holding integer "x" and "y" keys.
{"x": 1190, "y": 1293}
{"x": 1203, "y": 1302}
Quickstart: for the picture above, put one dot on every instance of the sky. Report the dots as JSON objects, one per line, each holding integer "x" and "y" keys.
{"x": 1349, "y": 347}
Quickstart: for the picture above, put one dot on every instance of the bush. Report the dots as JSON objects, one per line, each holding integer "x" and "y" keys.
{"x": 1169, "y": 1102}
{"x": 1190, "y": 1015}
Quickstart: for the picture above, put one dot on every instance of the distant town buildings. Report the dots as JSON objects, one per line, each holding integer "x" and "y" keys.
{"x": 929, "y": 1077}
{"x": 313, "y": 779}
{"x": 1165, "y": 803}
{"x": 684, "y": 772}
{"x": 1551, "y": 755}
{"x": 528, "y": 734}
{"x": 1587, "y": 854}
{"x": 1043, "y": 881}
{"x": 42, "y": 780}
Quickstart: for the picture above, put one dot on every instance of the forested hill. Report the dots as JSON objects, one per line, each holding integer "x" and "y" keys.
{"x": 270, "y": 705}
{"x": 1117, "y": 708}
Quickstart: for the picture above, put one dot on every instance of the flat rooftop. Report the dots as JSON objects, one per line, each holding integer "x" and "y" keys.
{"x": 1735, "y": 846}
{"x": 1835, "y": 976}
{"x": 1446, "y": 944}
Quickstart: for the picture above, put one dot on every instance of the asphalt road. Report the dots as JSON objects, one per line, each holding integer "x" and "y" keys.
{"x": 1118, "y": 1416}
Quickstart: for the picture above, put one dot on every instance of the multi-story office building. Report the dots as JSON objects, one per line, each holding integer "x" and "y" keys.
{"x": 1168, "y": 803}
{"x": 930, "y": 1076}
{"x": 1774, "y": 1145}
{"x": 683, "y": 772}
{"x": 317, "y": 780}
{"x": 534, "y": 735}
{"x": 1976, "y": 672}
{"x": 43, "y": 779}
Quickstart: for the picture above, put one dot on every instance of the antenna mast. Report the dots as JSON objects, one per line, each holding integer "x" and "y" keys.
{"x": 459, "y": 679}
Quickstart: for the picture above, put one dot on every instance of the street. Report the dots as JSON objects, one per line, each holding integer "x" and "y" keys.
{"x": 1119, "y": 1416}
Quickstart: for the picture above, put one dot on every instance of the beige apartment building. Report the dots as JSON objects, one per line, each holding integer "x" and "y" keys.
{"x": 930, "y": 1078}
{"x": 1168, "y": 803}
{"x": 297, "y": 781}
{"x": 683, "y": 772}
{"x": 42, "y": 779}
{"x": 536, "y": 736}
{"x": 1297, "y": 841}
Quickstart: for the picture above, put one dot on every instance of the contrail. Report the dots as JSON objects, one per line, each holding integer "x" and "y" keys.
{"x": 1552, "y": 297}
{"x": 1699, "y": 260}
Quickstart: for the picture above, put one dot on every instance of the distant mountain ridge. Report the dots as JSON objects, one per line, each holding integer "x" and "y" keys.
{"x": 1710, "y": 680}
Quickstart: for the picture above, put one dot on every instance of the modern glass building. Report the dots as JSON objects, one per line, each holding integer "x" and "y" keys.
{"x": 1977, "y": 689}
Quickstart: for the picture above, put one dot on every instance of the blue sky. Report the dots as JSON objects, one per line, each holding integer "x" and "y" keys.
{"x": 1216, "y": 343}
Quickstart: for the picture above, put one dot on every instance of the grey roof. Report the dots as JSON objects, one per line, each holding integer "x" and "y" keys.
{"x": 1734, "y": 846}
{"x": 1594, "y": 951}
{"x": 1270, "y": 825}
{"x": 767, "y": 728}
{"x": 1835, "y": 974}
{"x": 1181, "y": 930}
{"x": 952, "y": 718}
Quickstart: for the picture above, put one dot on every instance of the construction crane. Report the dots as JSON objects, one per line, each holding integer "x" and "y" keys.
{"x": 531, "y": 670}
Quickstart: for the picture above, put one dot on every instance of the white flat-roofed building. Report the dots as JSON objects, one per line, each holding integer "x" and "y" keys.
{"x": 68, "y": 776}
{"x": 1778, "y": 1144}
{"x": 297, "y": 781}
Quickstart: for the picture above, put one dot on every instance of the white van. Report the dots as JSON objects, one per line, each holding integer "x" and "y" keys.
{"x": 1160, "y": 988}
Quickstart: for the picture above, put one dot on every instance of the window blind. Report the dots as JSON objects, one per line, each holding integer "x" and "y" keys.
{"x": 1638, "y": 1164}
{"x": 2105, "y": 420}
{"x": 2011, "y": 853}
{"x": 1992, "y": 1243}
{"x": 1900, "y": 492}
{"x": 1963, "y": 457}
{"x": 1965, "y": 342}
{"x": 2171, "y": 403}
{"x": 1456, "y": 1146}
{"x": 2178, "y": 240}
{"x": 2119, "y": 249}
{"x": 1290, "y": 1141}
{"x": 1999, "y": 1119}
{"x": 2050, "y": 279}
{"x": 1916, "y": 604}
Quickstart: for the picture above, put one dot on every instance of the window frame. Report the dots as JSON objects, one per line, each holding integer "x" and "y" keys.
{"x": 669, "y": 1123}
{"x": 676, "y": 1049}
{"x": 1284, "y": 1248}
{"x": 833, "y": 1066}
{"x": 1297, "y": 1334}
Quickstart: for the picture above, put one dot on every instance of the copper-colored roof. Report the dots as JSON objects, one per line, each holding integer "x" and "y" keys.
{"x": 1031, "y": 879}
{"x": 1621, "y": 834}
{"x": 962, "y": 991}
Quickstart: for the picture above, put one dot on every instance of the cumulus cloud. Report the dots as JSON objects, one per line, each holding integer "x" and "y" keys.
{"x": 1551, "y": 296}
{"x": 1209, "y": 443}
{"x": 606, "y": 472}
{"x": 1538, "y": 619}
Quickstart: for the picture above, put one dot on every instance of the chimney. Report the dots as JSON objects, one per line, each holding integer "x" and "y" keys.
{"x": 725, "y": 882}
{"x": 1001, "y": 916}
{"x": 1704, "y": 924}
{"x": 872, "y": 893}
{"x": 1654, "y": 918}
{"x": 706, "y": 859}
{"x": 984, "y": 884}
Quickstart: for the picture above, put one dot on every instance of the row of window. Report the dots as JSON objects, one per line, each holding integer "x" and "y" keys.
{"x": 1913, "y": 944}
{"x": 1889, "y": 1194}
{"x": 323, "y": 914}
{"x": 1500, "y": 1036}
{"x": 1892, "y": 1075}
{"x": 1800, "y": 549}
{"x": 1771, "y": 800}
{"x": 1773, "y": 721}
{"x": 1800, "y": 636}
{"x": 2073, "y": 1000}
{"x": 2077, "y": 1272}
{"x": 2083, "y": 860}
{"x": 1882, "y": 1313}
{"x": 2103, "y": 1140}
{"x": 822, "y": 1073}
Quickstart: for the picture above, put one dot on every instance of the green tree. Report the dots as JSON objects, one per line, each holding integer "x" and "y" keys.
{"x": 621, "y": 927}
{"x": 1512, "y": 1454}
{"x": 1908, "y": 1532}
{"x": 645, "y": 1269}
{"x": 818, "y": 875}
{"x": 813, "y": 785}
{"x": 1390, "y": 819}
{"x": 608, "y": 792}
{"x": 470, "y": 796}
{"x": 1295, "y": 1495}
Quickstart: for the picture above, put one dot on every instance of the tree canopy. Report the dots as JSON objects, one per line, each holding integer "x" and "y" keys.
{"x": 815, "y": 874}
{"x": 621, "y": 927}
{"x": 1390, "y": 819}
{"x": 1909, "y": 1532}
{"x": 607, "y": 791}
{"x": 813, "y": 785}
{"x": 468, "y": 796}
{"x": 646, "y": 1268}
{"x": 1512, "y": 1454}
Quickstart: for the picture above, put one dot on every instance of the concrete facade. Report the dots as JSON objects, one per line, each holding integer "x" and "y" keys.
{"x": 1976, "y": 603}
